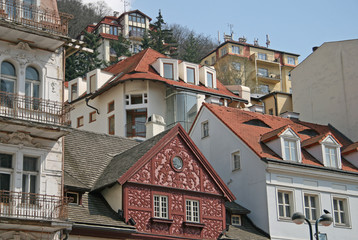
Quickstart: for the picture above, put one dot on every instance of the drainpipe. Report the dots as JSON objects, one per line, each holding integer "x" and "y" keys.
{"x": 87, "y": 100}
{"x": 274, "y": 96}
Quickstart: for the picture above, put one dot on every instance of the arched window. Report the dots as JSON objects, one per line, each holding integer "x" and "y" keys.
{"x": 32, "y": 86}
{"x": 7, "y": 84}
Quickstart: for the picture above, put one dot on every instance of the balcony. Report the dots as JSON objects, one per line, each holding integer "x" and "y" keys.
{"x": 33, "y": 109}
{"x": 269, "y": 78}
{"x": 30, "y": 206}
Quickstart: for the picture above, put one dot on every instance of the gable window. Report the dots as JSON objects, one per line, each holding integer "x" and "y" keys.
{"x": 160, "y": 206}
{"x": 168, "y": 71}
{"x": 74, "y": 94}
{"x": 262, "y": 56}
{"x": 204, "y": 129}
{"x": 92, "y": 116}
{"x": 135, "y": 17}
{"x": 311, "y": 206}
{"x": 235, "y": 49}
{"x": 236, "y": 220}
{"x": 284, "y": 203}
{"x": 331, "y": 156}
{"x": 80, "y": 121}
{"x": 192, "y": 211}
{"x": 291, "y": 60}
{"x": 5, "y": 172}
{"x": 209, "y": 79}
{"x": 340, "y": 211}
{"x": 111, "y": 125}
{"x": 110, "y": 107}
{"x": 190, "y": 75}
{"x": 262, "y": 72}
{"x": 32, "y": 87}
{"x": 290, "y": 150}
{"x": 235, "y": 161}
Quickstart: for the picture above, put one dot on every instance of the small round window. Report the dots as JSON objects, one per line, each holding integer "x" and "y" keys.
{"x": 177, "y": 163}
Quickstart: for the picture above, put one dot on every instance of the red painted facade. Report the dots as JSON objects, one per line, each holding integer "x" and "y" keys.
{"x": 157, "y": 176}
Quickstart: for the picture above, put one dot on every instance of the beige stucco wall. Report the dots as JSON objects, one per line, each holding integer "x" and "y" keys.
{"x": 325, "y": 87}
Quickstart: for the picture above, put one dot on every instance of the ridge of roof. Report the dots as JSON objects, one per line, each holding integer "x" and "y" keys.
{"x": 318, "y": 139}
{"x": 266, "y": 137}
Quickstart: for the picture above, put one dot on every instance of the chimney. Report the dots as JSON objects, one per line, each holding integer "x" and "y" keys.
{"x": 154, "y": 125}
{"x": 257, "y": 108}
{"x": 227, "y": 37}
{"x": 291, "y": 115}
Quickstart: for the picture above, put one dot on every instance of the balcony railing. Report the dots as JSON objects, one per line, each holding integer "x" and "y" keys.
{"x": 34, "y": 17}
{"x": 33, "y": 109}
{"x": 32, "y": 206}
{"x": 136, "y": 129}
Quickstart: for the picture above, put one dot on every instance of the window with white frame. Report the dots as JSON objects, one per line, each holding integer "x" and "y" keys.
{"x": 235, "y": 49}
{"x": 236, "y": 220}
{"x": 290, "y": 149}
{"x": 74, "y": 94}
{"x": 340, "y": 212}
{"x": 192, "y": 211}
{"x": 311, "y": 206}
{"x": 204, "y": 129}
{"x": 262, "y": 56}
{"x": 190, "y": 75}
{"x": 168, "y": 70}
{"x": 210, "y": 79}
{"x": 160, "y": 206}
{"x": 133, "y": 99}
{"x": 331, "y": 156}
{"x": 284, "y": 204}
{"x": 291, "y": 60}
{"x": 5, "y": 172}
{"x": 235, "y": 158}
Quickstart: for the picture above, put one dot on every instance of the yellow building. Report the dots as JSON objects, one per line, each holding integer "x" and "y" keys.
{"x": 261, "y": 69}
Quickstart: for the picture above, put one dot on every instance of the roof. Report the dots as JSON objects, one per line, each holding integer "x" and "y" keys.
{"x": 77, "y": 144}
{"x": 134, "y": 11}
{"x": 275, "y": 133}
{"x": 138, "y": 67}
{"x": 251, "y": 135}
{"x": 317, "y": 140}
{"x": 351, "y": 148}
{"x": 236, "y": 208}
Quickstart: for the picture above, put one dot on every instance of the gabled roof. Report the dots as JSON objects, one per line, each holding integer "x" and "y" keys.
{"x": 126, "y": 164}
{"x": 251, "y": 135}
{"x": 318, "y": 140}
{"x": 134, "y": 11}
{"x": 138, "y": 67}
{"x": 351, "y": 148}
{"x": 275, "y": 133}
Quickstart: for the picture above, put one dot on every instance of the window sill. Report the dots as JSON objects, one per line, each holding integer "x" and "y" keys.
{"x": 162, "y": 220}
{"x": 193, "y": 224}
{"x": 342, "y": 226}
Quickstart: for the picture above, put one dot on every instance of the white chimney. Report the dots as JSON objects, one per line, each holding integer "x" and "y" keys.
{"x": 257, "y": 108}
{"x": 155, "y": 124}
{"x": 294, "y": 115}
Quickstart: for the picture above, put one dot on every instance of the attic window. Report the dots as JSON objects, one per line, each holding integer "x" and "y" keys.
{"x": 257, "y": 122}
{"x": 309, "y": 132}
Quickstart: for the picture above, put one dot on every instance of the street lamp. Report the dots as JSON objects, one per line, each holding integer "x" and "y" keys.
{"x": 325, "y": 220}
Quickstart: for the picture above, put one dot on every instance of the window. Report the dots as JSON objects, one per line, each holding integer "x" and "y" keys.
{"x": 264, "y": 89}
{"x": 236, "y": 220}
{"x": 80, "y": 121}
{"x": 110, "y": 107}
{"x": 262, "y": 56}
{"x": 93, "y": 83}
{"x": 74, "y": 94}
{"x": 290, "y": 150}
{"x": 271, "y": 111}
{"x": 8, "y": 79}
{"x": 311, "y": 206}
{"x": 235, "y": 49}
{"x": 160, "y": 206}
{"x": 236, "y": 66}
{"x": 168, "y": 71}
{"x": 209, "y": 79}
{"x": 340, "y": 211}
{"x": 92, "y": 116}
{"x": 284, "y": 202}
{"x": 29, "y": 178}
{"x": 331, "y": 157}
{"x": 291, "y": 60}
{"x": 134, "y": 17}
{"x": 32, "y": 88}
{"x": 113, "y": 30}
{"x": 133, "y": 99}
{"x": 204, "y": 129}
{"x": 5, "y": 172}
{"x": 192, "y": 211}
{"x": 111, "y": 125}
{"x": 135, "y": 124}
{"x": 73, "y": 197}
{"x": 235, "y": 161}
{"x": 190, "y": 75}
{"x": 213, "y": 60}
{"x": 223, "y": 51}
{"x": 262, "y": 72}
{"x": 136, "y": 31}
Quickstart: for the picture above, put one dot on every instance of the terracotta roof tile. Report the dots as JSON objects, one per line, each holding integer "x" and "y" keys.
{"x": 275, "y": 133}
{"x": 317, "y": 140}
{"x": 351, "y": 148}
{"x": 109, "y": 36}
{"x": 235, "y": 120}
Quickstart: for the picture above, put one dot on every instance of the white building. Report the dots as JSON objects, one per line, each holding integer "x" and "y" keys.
{"x": 277, "y": 166}
{"x": 32, "y": 120}
{"x": 325, "y": 86}
{"x": 119, "y": 99}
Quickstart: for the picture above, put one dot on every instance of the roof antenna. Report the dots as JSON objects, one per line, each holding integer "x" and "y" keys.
{"x": 231, "y": 26}
{"x": 267, "y": 40}
{"x": 125, "y": 4}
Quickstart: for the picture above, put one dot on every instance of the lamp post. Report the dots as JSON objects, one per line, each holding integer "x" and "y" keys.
{"x": 325, "y": 220}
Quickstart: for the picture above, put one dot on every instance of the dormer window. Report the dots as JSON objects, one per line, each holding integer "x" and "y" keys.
{"x": 331, "y": 157}
{"x": 190, "y": 75}
{"x": 290, "y": 150}
{"x": 331, "y": 152}
{"x": 168, "y": 70}
{"x": 74, "y": 94}
{"x": 209, "y": 79}
{"x": 291, "y": 147}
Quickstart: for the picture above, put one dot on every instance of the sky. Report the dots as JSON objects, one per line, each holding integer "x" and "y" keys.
{"x": 293, "y": 26}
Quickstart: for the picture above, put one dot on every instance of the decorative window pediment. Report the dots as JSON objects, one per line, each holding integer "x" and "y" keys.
{"x": 331, "y": 152}
{"x": 290, "y": 145}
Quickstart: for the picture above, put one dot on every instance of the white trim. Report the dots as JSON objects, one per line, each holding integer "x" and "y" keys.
{"x": 292, "y": 204}
{"x": 347, "y": 211}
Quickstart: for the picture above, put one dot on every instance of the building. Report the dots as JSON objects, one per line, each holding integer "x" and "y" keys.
{"x": 32, "y": 120}
{"x": 277, "y": 166}
{"x": 149, "y": 86}
{"x": 261, "y": 69}
{"x": 131, "y": 25}
{"x": 162, "y": 188}
{"x": 325, "y": 84}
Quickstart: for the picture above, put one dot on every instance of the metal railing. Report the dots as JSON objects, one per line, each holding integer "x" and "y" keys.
{"x": 33, "y": 109}
{"x": 136, "y": 129}
{"x": 35, "y": 17}
{"x": 33, "y": 206}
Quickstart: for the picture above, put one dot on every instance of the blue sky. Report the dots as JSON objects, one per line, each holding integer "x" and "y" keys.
{"x": 293, "y": 26}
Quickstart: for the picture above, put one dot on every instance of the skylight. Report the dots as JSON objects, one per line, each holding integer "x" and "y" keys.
{"x": 257, "y": 122}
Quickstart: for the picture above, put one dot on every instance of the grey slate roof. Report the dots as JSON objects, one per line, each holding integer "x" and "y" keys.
{"x": 235, "y": 208}
{"x": 87, "y": 154}
{"x": 125, "y": 160}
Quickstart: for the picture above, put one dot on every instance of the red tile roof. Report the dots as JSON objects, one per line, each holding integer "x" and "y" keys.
{"x": 317, "y": 140}
{"x": 351, "y": 148}
{"x": 138, "y": 67}
{"x": 251, "y": 135}
{"x": 275, "y": 133}
{"x": 109, "y": 36}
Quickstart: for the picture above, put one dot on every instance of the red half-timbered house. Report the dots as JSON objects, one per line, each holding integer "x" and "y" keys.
{"x": 164, "y": 187}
